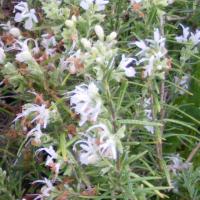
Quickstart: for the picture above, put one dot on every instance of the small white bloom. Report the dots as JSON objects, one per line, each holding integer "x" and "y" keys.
{"x": 25, "y": 54}
{"x": 177, "y": 164}
{"x": 142, "y": 45}
{"x": 86, "y": 101}
{"x": 97, "y": 143}
{"x": 183, "y": 82}
{"x": 73, "y": 64}
{"x": 185, "y": 36}
{"x": 89, "y": 150}
{"x": 195, "y": 37}
{"x": 24, "y": 14}
{"x": 49, "y": 43}
{"x": 189, "y": 36}
{"x": 100, "y": 4}
{"x": 36, "y": 133}
{"x": 40, "y": 114}
{"x": 2, "y": 56}
{"x": 127, "y": 64}
{"x": 107, "y": 141}
{"x": 85, "y": 4}
{"x": 152, "y": 55}
{"x": 52, "y": 155}
{"x": 46, "y": 189}
{"x": 14, "y": 31}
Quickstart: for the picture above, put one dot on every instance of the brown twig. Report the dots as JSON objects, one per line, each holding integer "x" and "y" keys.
{"x": 193, "y": 153}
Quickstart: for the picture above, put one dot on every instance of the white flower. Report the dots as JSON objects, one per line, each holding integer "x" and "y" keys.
{"x": 100, "y": 4}
{"x": 51, "y": 159}
{"x": 142, "y": 45}
{"x": 73, "y": 64}
{"x": 127, "y": 64}
{"x": 183, "y": 82}
{"x": 189, "y": 36}
{"x": 25, "y": 53}
{"x": 89, "y": 150}
{"x": 24, "y": 56}
{"x": 85, "y": 4}
{"x": 46, "y": 189}
{"x": 49, "y": 43}
{"x": 107, "y": 141}
{"x": 52, "y": 155}
{"x": 14, "y": 31}
{"x": 86, "y": 102}
{"x": 97, "y": 143}
{"x": 177, "y": 164}
{"x": 185, "y": 36}
{"x": 195, "y": 37}
{"x": 2, "y": 56}
{"x": 158, "y": 44}
{"x": 36, "y": 133}
{"x": 153, "y": 54}
{"x": 24, "y": 14}
{"x": 40, "y": 114}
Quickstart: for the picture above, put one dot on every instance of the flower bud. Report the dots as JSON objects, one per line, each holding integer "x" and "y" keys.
{"x": 24, "y": 56}
{"x": 69, "y": 23}
{"x": 74, "y": 18}
{"x": 112, "y": 36}
{"x": 99, "y": 31}
{"x": 15, "y": 32}
{"x": 86, "y": 43}
{"x": 100, "y": 60}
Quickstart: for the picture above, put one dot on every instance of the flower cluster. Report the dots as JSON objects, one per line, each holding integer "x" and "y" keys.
{"x": 85, "y": 101}
{"x": 127, "y": 65}
{"x": 24, "y": 14}
{"x": 97, "y": 143}
{"x": 177, "y": 165}
{"x": 39, "y": 116}
{"x": 51, "y": 159}
{"x": 45, "y": 190}
{"x": 188, "y": 36}
{"x": 99, "y": 55}
{"x": 152, "y": 56}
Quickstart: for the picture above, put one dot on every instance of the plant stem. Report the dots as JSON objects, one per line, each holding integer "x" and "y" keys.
{"x": 193, "y": 153}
